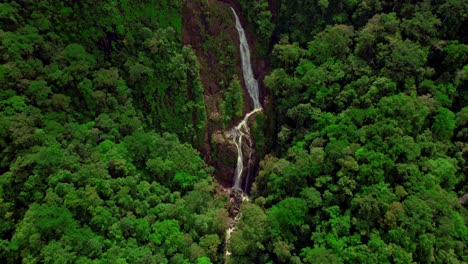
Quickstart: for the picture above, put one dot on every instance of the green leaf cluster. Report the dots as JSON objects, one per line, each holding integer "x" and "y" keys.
{"x": 368, "y": 109}
{"x": 100, "y": 108}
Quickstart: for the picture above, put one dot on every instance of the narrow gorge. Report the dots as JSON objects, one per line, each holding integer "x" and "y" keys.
{"x": 234, "y": 141}
{"x": 226, "y": 53}
{"x": 233, "y": 131}
{"x": 241, "y": 133}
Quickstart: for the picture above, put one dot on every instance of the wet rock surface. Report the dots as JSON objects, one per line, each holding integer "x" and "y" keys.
{"x": 236, "y": 198}
{"x": 209, "y": 20}
{"x": 225, "y": 153}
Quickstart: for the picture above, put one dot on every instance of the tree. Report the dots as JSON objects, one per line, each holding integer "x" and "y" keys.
{"x": 333, "y": 42}
{"x": 167, "y": 234}
{"x": 444, "y": 124}
{"x": 319, "y": 255}
{"x": 203, "y": 260}
{"x": 286, "y": 217}
{"x": 287, "y": 55}
{"x": 211, "y": 244}
{"x": 248, "y": 240}
{"x": 422, "y": 27}
{"x": 405, "y": 57}
{"x": 233, "y": 104}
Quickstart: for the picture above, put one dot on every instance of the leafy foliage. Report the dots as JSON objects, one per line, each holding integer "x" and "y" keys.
{"x": 233, "y": 104}
{"x": 98, "y": 107}
{"x": 369, "y": 159}
{"x": 101, "y": 108}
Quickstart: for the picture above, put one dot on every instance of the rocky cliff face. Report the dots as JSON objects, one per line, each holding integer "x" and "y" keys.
{"x": 209, "y": 28}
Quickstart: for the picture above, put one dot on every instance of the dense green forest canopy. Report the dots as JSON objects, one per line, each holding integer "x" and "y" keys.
{"x": 102, "y": 110}
{"x": 99, "y": 104}
{"x": 370, "y": 112}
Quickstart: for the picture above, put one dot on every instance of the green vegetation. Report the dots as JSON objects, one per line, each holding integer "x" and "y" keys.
{"x": 259, "y": 18}
{"x": 369, "y": 105}
{"x": 258, "y": 130}
{"x": 363, "y": 145}
{"x": 233, "y": 103}
{"x": 98, "y": 106}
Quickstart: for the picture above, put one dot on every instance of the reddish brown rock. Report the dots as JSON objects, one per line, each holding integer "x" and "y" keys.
{"x": 212, "y": 19}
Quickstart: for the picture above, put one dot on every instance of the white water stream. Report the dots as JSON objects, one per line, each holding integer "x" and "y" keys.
{"x": 241, "y": 132}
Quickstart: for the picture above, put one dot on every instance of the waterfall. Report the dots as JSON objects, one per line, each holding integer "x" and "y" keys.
{"x": 242, "y": 130}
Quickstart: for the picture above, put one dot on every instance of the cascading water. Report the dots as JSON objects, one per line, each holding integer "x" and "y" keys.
{"x": 241, "y": 132}
{"x": 238, "y": 133}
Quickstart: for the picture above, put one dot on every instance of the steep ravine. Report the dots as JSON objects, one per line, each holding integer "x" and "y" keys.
{"x": 241, "y": 134}
{"x": 230, "y": 148}
{"x": 209, "y": 28}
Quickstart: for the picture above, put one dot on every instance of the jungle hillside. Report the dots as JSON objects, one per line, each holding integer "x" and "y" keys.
{"x": 118, "y": 117}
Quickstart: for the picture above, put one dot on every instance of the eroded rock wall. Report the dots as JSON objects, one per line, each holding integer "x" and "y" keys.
{"x": 209, "y": 28}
